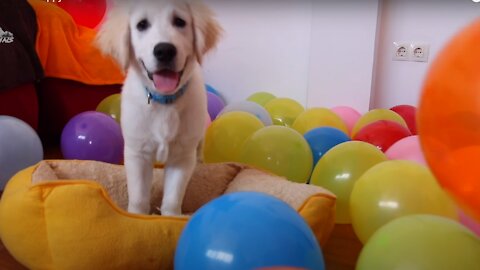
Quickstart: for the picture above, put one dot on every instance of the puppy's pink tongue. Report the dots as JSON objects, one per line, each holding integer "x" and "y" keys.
{"x": 166, "y": 81}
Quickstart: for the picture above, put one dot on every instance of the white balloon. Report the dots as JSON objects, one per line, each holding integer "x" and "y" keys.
{"x": 20, "y": 147}
{"x": 249, "y": 107}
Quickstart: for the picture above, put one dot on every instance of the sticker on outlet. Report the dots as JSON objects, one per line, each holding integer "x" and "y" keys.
{"x": 419, "y": 52}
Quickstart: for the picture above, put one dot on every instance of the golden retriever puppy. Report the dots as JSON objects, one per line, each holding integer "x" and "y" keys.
{"x": 160, "y": 44}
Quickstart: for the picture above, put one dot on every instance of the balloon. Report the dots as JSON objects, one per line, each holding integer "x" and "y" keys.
{"x": 226, "y": 135}
{"x": 376, "y": 115}
{"x": 349, "y": 116}
{"x": 20, "y": 147}
{"x": 249, "y": 107}
{"x": 214, "y": 91}
{"x": 215, "y": 105}
{"x": 407, "y": 148}
{"x": 111, "y": 106}
{"x": 92, "y": 136}
{"x": 340, "y": 168}
{"x": 424, "y": 242}
{"x": 280, "y": 150}
{"x": 469, "y": 222}
{"x": 261, "y": 98}
{"x": 247, "y": 230}
{"x": 283, "y": 111}
{"x": 408, "y": 113}
{"x": 393, "y": 189}
{"x": 382, "y": 134}
{"x": 88, "y": 13}
{"x": 323, "y": 139}
{"x": 449, "y": 118}
{"x": 318, "y": 117}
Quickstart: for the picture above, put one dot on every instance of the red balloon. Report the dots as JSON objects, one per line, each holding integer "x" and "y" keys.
{"x": 408, "y": 113}
{"x": 88, "y": 13}
{"x": 382, "y": 134}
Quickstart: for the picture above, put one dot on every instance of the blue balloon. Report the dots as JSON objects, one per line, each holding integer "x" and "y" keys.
{"x": 214, "y": 91}
{"x": 247, "y": 230}
{"x": 323, "y": 139}
{"x": 20, "y": 147}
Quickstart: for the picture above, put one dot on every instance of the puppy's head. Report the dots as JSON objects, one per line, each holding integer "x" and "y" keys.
{"x": 162, "y": 39}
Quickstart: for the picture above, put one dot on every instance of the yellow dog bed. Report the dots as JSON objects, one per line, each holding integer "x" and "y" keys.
{"x": 52, "y": 219}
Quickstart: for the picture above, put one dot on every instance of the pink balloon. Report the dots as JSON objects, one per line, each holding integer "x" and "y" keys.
{"x": 349, "y": 115}
{"x": 469, "y": 222}
{"x": 407, "y": 148}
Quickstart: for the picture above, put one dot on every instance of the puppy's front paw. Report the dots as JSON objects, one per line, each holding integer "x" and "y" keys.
{"x": 170, "y": 212}
{"x": 162, "y": 153}
{"x": 139, "y": 209}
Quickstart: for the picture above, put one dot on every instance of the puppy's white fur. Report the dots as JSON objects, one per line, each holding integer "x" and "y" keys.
{"x": 153, "y": 132}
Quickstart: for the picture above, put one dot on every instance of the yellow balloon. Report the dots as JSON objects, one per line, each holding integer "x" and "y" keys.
{"x": 284, "y": 111}
{"x": 393, "y": 189}
{"x": 340, "y": 168}
{"x": 226, "y": 135}
{"x": 375, "y": 115}
{"x": 261, "y": 98}
{"x": 421, "y": 242}
{"x": 111, "y": 106}
{"x": 318, "y": 117}
{"x": 279, "y": 150}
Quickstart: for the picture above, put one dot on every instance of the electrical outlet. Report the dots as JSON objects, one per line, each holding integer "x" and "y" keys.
{"x": 419, "y": 52}
{"x": 401, "y": 51}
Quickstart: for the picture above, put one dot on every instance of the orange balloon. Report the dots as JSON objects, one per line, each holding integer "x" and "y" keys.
{"x": 449, "y": 118}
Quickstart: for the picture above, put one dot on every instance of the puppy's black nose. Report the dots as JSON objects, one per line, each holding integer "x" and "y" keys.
{"x": 164, "y": 52}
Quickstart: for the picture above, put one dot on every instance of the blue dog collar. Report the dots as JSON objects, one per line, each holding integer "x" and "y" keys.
{"x": 165, "y": 99}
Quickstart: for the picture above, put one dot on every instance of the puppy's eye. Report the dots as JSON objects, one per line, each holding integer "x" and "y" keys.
{"x": 143, "y": 25}
{"x": 179, "y": 22}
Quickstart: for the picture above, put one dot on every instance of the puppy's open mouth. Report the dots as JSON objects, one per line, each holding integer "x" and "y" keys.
{"x": 166, "y": 81}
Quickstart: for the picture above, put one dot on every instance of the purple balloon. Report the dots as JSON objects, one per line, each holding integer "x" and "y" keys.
{"x": 215, "y": 105}
{"x": 92, "y": 136}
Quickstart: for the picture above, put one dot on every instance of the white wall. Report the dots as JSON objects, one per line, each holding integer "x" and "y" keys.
{"x": 342, "y": 53}
{"x": 329, "y": 52}
{"x": 265, "y": 48}
{"x": 431, "y": 21}
{"x": 319, "y": 53}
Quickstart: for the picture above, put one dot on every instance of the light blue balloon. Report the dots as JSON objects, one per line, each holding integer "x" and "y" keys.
{"x": 20, "y": 147}
{"x": 249, "y": 107}
{"x": 247, "y": 230}
{"x": 323, "y": 139}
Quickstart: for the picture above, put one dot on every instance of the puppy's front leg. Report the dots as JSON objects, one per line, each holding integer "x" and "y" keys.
{"x": 139, "y": 169}
{"x": 177, "y": 175}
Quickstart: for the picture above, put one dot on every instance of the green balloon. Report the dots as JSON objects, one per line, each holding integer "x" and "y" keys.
{"x": 392, "y": 189}
{"x": 339, "y": 169}
{"x": 284, "y": 111}
{"x": 280, "y": 150}
{"x": 422, "y": 242}
{"x": 111, "y": 106}
{"x": 225, "y": 136}
{"x": 261, "y": 98}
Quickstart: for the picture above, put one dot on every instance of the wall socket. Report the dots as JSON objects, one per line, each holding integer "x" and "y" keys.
{"x": 419, "y": 52}
{"x": 410, "y": 51}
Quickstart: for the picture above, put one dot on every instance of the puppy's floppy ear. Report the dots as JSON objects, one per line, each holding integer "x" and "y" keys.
{"x": 113, "y": 38}
{"x": 206, "y": 29}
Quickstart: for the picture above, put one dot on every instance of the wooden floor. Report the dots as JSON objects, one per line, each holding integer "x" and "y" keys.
{"x": 340, "y": 253}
